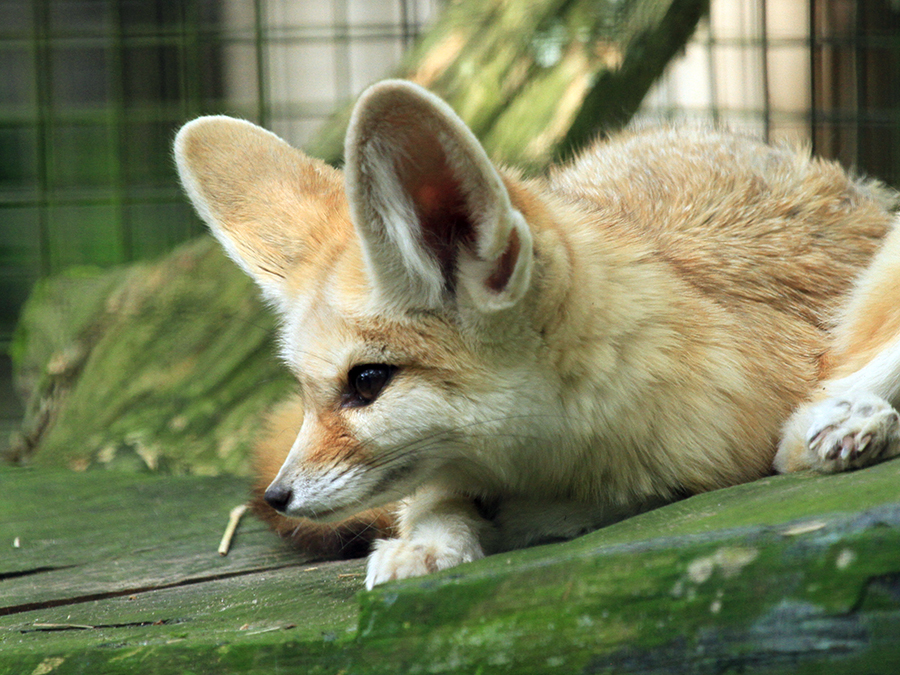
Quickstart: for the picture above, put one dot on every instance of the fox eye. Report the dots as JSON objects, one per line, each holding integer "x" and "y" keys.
{"x": 365, "y": 382}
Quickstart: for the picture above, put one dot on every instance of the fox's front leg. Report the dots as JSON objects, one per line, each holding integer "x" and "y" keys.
{"x": 847, "y": 431}
{"x": 438, "y": 529}
{"x": 853, "y": 421}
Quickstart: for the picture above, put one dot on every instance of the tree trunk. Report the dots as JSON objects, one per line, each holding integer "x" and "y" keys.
{"x": 538, "y": 81}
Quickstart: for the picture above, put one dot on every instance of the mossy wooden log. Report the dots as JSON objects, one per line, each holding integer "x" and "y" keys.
{"x": 118, "y": 573}
{"x": 164, "y": 366}
{"x": 539, "y": 80}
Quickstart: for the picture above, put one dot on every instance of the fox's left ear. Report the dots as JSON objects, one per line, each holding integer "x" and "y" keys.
{"x": 262, "y": 199}
{"x": 433, "y": 214}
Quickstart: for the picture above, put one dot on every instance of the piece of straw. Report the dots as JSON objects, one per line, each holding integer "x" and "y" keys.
{"x": 233, "y": 519}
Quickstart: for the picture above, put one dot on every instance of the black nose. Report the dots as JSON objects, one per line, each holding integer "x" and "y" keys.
{"x": 277, "y": 497}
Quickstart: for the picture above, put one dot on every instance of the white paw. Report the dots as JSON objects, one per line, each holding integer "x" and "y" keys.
{"x": 850, "y": 432}
{"x": 405, "y": 558}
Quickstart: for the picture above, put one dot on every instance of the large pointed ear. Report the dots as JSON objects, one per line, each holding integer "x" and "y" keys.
{"x": 433, "y": 214}
{"x": 259, "y": 196}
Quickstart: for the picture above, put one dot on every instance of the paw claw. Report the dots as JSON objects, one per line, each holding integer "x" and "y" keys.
{"x": 848, "y": 447}
{"x": 859, "y": 447}
{"x": 817, "y": 436}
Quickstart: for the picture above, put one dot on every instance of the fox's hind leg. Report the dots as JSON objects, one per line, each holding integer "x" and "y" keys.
{"x": 852, "y": 420}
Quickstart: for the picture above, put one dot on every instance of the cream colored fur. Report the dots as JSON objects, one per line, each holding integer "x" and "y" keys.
{"x": 566, "y": 351}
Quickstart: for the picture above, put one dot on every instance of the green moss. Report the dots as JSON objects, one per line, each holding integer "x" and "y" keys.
{"x": 60, "y": 312}
{"x": 175, "y": 366}
{"x": 774, "y": 501}
{"x": 712, "y": 580}
{"x": 735, "y": 599}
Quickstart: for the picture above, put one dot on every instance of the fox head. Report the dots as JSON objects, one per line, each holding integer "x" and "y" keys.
{"x": 408, "y": 288}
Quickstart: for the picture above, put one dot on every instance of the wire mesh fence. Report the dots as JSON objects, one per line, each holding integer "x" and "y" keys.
{"x": 820, "y": 72}
{"x": 92, "y": 91}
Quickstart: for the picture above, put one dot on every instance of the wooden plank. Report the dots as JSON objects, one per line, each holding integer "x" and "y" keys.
{"x": 312, "y": 603}
{"x": 97, "y": 535}
{"x": 821, "y": 602}
{"x": 791, "y": 574}
{"x": 97, "y": 518}
{"x": 108, "y": 561}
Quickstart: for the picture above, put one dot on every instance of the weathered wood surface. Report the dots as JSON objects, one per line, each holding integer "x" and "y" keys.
{"x": 118, "y": 573}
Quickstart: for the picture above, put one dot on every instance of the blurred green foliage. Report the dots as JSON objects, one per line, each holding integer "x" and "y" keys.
{"x": 91, "y": 94}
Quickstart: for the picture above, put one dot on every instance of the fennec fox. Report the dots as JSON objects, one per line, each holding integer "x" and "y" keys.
{"x": 502, "y": 361}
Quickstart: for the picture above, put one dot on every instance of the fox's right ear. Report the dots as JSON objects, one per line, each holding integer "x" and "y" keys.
{"x": 257, "y": 194}
{"x": 435, "y": 218}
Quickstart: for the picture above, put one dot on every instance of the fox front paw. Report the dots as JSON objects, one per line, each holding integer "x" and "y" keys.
{"x": 405, "y": 558}
{"x": 850, "y": 432}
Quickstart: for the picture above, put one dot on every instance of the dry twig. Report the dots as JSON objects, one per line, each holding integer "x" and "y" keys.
{"x": 233, "y": 519}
